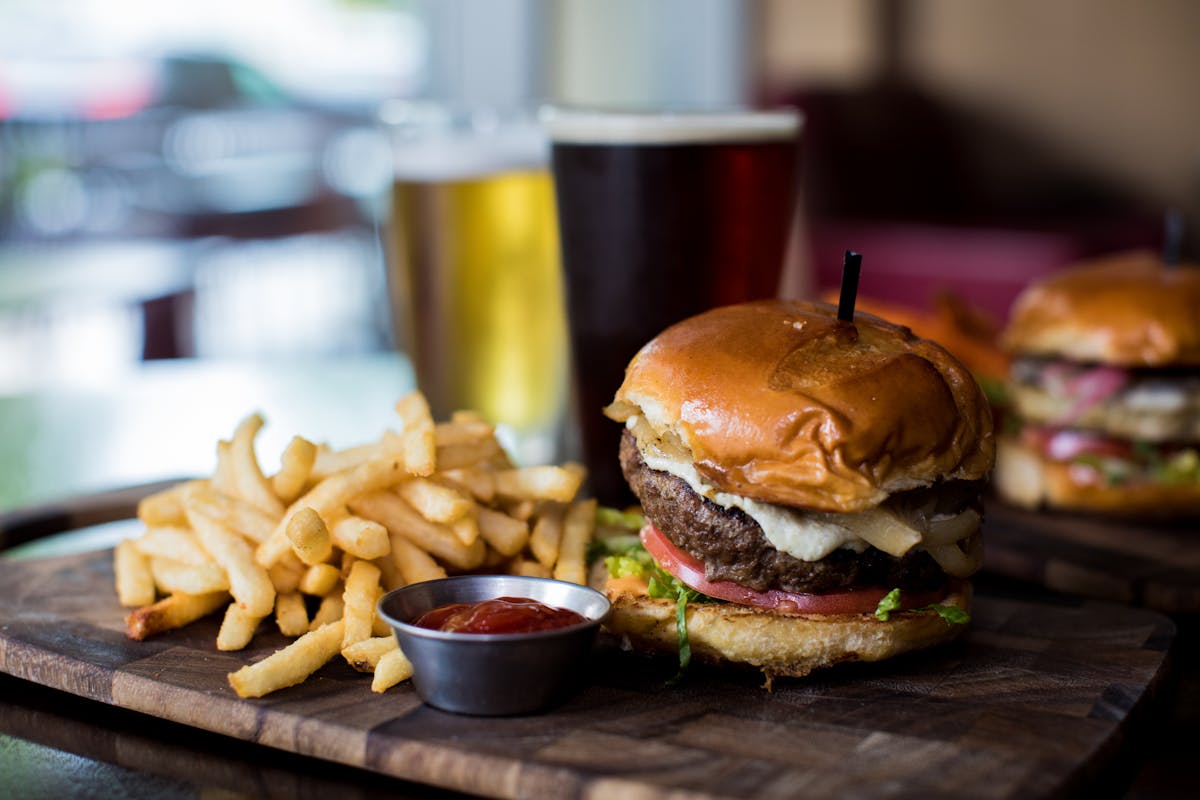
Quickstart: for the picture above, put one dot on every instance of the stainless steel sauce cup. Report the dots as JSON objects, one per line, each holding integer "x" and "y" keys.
{"x": 494, "y": 674}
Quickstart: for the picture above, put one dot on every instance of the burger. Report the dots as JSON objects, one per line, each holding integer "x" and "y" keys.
{"x": 811, "y": 489}
{"x": 1105, "y": 390}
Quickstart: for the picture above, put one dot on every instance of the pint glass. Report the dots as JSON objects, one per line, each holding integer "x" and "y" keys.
{"x": 473, "y": 270}
{"x": 661, "y": 216}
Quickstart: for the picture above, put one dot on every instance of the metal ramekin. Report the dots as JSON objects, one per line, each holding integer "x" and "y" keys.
{"x": 494, "y": 674}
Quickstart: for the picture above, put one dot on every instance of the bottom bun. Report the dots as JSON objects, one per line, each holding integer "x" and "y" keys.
{"x": 776, "y": 644}
{"x": 1025, "y": 478}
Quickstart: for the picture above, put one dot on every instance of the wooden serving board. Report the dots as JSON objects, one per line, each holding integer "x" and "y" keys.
{"x": 1032, "y": 702}
{"x": 1154, "y": 565}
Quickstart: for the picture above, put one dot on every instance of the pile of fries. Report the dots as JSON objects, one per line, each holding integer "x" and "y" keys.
{"x": 315, "y": 544}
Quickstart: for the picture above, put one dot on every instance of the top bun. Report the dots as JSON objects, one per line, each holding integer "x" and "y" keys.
{"x": 782, "y": 402}
{"x": 1126, "y": 310}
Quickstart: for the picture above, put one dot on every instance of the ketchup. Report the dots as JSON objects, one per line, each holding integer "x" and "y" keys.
{"x": 501, "y": 615}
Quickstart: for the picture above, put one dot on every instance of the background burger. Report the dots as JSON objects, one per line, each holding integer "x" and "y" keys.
{"x": 1105, "y": 390}
{"x": 811, "y": 489}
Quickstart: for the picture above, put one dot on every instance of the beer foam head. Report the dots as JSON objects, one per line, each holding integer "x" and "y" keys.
{"x": 464, "y": 157}
{"x": 431, "y": 142}
{"x": 576, "y": 126}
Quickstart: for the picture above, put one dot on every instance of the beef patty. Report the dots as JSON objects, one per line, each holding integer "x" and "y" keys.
{"x": 733, "y": 547}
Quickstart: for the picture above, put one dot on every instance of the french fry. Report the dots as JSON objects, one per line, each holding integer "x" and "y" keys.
{"x": 330, "y": 462}
{"x": 249, "y": 583}
{"x": 379, "y": 625}
{"x": 174, "y": 542}
{"x": 462, "y": 430}
{"x": 348, "y": 560}
{"x": 390, "y": 510}
{"x": 465, "y": 415}
{"x": 499, "y": 461}
{"x": 463, "y": 423}
{"x": 521, "y": 509}
{"x": 224, "y": 480}
{"x": 578, "y": 525}
{"x": 529, "y": 568}
{"x": 328, "y": 497}
{"x": 252, "y": 486}
{"x": 290, "y": 665}
{"x": 466, "y": 529}
{"x": 286, "y": 574}
{"x": 392, "y": 668}
{"x": 364, "y": 654}
{"x": 165, "y": 507}
{"x": 538, "y": 483}
{"x": 244, "y": 518}
{"x": 358, "y": 600}
{"x": 344, "y": 526}
{"x": 420, "y": 448}
{"x": 389, "y": 576}
{"x": 361, "y": 538}
{"x": 413, "y": 563}
{"x": 547, "y": 533}
{"x": 433, "y": 502}
{"x": 330, "y": 609}
{"x": 134, "y": 581}
{"x": 494, "y": 561}
{"x": 173, "y": 611}
{"x": 476, "y": 482}
{"x": 320, "y": 579}
{"x": 237, "y": 628}
{"x": 505, "y": 534}
{"x": 172, "y": 577}
{"x": 461, "y": 455}
{"x": 295, "y": 465}
{"x": 290, "y": 614}
{"x": 309, "y": 537}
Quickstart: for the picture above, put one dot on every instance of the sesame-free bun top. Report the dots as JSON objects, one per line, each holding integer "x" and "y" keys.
{"x": 1126, "y": 310}
{"x": 780, "y": 401}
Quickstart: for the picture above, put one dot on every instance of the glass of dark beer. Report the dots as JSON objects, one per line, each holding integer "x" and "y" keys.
{"x": 661, "y": 216}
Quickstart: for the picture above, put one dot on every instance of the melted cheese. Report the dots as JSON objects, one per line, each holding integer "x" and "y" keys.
{"x": 805, "y": 536}
{"x": 952, "y": 540}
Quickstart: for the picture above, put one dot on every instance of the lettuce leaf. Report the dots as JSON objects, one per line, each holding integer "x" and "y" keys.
{"x": 616, "y": 518}
{"x": 612, "y": 546}
{"x": 891, "y": 602}
{"x": 888, "y": 603}
{"x": 1182, "y": 467}
{"x": 633, "y": 561}
{"x": 952, "y": 614}
{"x": 613, "y": 542}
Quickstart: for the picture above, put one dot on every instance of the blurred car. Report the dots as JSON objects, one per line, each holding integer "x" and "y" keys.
{"x": 176, "y": 146}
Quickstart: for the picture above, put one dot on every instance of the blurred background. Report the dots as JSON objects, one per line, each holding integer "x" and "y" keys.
{"x": 191, "y": 195}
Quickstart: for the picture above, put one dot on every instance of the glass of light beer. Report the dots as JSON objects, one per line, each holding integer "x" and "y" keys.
{"x": 661, "y": 216}
{"x": 473, "y": 269}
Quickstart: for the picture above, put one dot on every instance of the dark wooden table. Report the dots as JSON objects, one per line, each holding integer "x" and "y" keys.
{"x": 1026, "y": 673}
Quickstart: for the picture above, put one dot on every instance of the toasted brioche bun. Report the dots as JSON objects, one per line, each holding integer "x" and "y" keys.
{"x": 1026, "y": 478}
{"x": 779, "y": 401}
{"x": 964, "y": 331}
{"x": 1126, "y": 310}
{"x": 776, "y": 644}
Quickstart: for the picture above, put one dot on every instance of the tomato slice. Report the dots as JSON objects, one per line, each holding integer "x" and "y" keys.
{"x": 688, "y": 569}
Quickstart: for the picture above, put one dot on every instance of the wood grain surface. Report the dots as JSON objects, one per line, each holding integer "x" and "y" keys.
{"x": 1149, "y": 564}
{"x": 1032, "y": 702}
